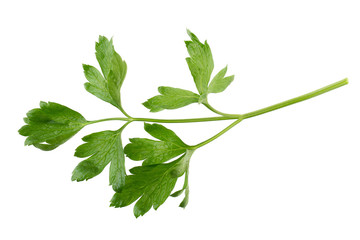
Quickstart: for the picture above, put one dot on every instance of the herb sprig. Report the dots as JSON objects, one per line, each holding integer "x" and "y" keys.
{"x": 165, "y": 159}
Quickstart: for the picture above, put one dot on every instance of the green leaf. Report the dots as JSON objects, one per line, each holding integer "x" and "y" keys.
{"x": 151, "y": 184}
{"x": 155, "y": 152}
{"x": 185, "y": 201}
{"x": 162, "y": 133}
{"x": 51, "y": 125}
{"x": 116, "y": 77}
{"x": 117, "y": 170}
{"x": 97, "y": 84}
{"x": 219, "y": 83}
{"x": 171, "y": 98}
{"x": 101, "y": 148}
{"x": 106, "y": 86}
{"x": 104, "y": 54}
{"x": 177, "y": 193}
{"x": 185, "y": 188}
{"x": 200, "y": 62}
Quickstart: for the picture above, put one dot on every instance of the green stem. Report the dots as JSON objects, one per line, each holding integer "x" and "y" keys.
{"x": 186, "y": 180}
{"x": 123, "y": 111}
{"x": 124, "y": 126}
{"x": 239, "y": 117}
{"x": 216, "y": 135}
{"x": 188, "y": 120}
{"x": 108, "y": 119}
{"x": 274, "y": 107}
{"x": 206, "y": 104}
{"x": 297, "y": 99}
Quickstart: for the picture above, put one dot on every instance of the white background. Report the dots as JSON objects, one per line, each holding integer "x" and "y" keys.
{"x": 290, "y": 174}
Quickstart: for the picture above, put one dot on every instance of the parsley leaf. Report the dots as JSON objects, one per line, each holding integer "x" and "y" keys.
{"x": 116, "y": 77}
{"x": 185, "y": 188}
{"x": 171, "y": 98}
{"x": 51, "y": 125}
{"x": 185, "y": 201}
{"x": 219, "y": 83}
{"x": 101, "y": 148}
{"x": 201, "y": 65}
{"x": 97, "y": 84}
{"x": 154, "y": 152}
{"x": 200, "y": 62}
{"x": 162, "y": 133}
{"x": 150, "y": 184}
{"x": 106, "y": 86}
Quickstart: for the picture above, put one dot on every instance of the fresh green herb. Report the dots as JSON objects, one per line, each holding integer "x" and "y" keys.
{"x": 155, "y": 152}
{"x": 153, "y": 182}
{"x": 101, "y": 148}
{"x": 51, "y": 125}
{"x": 171, "y": 98}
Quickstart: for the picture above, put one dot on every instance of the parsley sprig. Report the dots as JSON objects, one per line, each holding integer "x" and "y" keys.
{"x": 165, "y": 159}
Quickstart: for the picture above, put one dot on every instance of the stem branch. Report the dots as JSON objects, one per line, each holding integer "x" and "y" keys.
{"x": 238, "y": 117}
{"x": 274, "y": 107}
{"x": 206, "y": 104}
{"x": 216, "y": 135}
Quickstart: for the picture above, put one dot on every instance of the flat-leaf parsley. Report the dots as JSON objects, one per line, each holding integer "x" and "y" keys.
{"x": 165, "y": 158}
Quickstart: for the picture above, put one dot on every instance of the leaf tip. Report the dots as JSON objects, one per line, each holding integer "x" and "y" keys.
{"x": 74, "y": 178}
{"x": 23, "y": 130}
{"x": 184, "y": 203}
{"x": 146, "y": 104}
{"x": 43, "y": 104}
{"x": 192, "y": 36}
{"x": 137, "y": 212}
{"x": 161, "y": 89}
{"x": 147, "y": 126}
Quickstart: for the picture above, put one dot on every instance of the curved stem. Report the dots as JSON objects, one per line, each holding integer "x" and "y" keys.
{"x": 226, "y": 116}
{"x": 206, "y": 104}
{"x": 297, "y": 99}
{"x": 216, "y": 135}
{"x": 123, "y": 111}
{"x": 274, "y": 107}
{"x": 124, "y": 126}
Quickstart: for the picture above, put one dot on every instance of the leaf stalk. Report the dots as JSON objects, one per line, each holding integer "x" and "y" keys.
{"x": 237, "y": 117}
